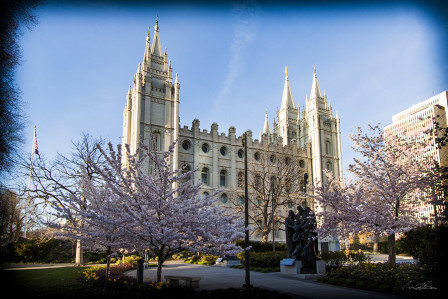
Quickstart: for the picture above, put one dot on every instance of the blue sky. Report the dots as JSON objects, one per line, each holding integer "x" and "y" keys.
{"x": 372, "y": 60}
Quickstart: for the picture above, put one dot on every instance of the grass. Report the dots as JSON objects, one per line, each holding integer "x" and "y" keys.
{"x": 65, "y": 283}
{"x": 49, "y": 283}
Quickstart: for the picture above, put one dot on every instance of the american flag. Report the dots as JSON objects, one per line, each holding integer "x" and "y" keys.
{"x": 35, "y": 149}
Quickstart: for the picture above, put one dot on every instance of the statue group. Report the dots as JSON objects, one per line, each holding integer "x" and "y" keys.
{"x": 301, "y": 237}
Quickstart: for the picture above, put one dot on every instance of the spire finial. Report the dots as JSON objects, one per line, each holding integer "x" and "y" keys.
{"x": 286, "y": 71}
{"x": 157, "y": 23}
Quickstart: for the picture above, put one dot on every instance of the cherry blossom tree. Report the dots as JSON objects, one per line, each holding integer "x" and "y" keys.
{"x": 147, "y": 205}
{"x": 61, "y": 180}
{"x": 94, "y": 217}
{"x": 385, "y": 196}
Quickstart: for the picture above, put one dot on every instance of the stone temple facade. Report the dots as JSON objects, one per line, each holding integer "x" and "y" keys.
{"x": 152, "y": 106}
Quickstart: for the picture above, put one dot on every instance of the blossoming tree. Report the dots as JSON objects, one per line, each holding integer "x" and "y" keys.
{"x": 150, "y": 206}
{"x": 385, "y": 196}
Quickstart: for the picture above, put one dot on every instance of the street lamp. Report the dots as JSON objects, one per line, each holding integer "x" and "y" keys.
{"x": 247, "y": 285}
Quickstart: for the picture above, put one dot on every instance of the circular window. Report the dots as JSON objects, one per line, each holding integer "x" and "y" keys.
{"x": 240, "y": 154}
{"x": 186, "y": 144}
{"x": 224, "y": 198}
{"x": 223, "y": 150}
{"x": 257, "y": 156}
{"x": 205, "y": 147}
{"x": 205, "y": 194}
{"x": 241, "y": 200}
{"x": 302, "y": 163}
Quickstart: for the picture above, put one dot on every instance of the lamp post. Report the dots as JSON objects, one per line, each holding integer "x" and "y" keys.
{"x": 247, "y": 285}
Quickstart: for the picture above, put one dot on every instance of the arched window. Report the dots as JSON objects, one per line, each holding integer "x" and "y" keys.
{"x": 186, "y": 168}
{"x": 157, "y": 141}
{"x": 205, "y": 176}
{"x": 240, "y": 179}
{"x": 328, "y": 147}
{"x": 258, "y": 182}
{"x": 223, "y": 178}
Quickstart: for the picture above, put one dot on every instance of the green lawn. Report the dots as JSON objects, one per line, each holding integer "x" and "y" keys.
{"x": 63, "y": 283}
{"x": 48, "y": 283}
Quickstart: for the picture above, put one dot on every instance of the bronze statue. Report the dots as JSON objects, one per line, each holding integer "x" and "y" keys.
{"x": 301, "y": 237}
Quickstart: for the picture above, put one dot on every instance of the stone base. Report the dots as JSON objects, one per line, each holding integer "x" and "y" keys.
{"x": 296, "y": 269}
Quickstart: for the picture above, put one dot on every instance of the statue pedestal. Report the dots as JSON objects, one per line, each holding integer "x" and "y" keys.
{"x": 291, "y": 266}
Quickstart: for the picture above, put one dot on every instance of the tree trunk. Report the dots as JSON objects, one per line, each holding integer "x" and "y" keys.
{"x": 392, "y": 251}
{"x": 375, "y": 243}
{"x": 79, "y": 260}
{"x": 265, "y": 237}
{"x": 159, "y": 269}
{"x": 109, "y": 251}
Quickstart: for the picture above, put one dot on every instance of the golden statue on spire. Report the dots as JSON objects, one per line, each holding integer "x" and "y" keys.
{"x": 286, "y": 71}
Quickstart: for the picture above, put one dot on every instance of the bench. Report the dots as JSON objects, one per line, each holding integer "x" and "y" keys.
{"x": 192, "y": 282}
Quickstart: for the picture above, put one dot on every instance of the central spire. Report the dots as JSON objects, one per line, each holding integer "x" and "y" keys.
{"x": 315, "y": 90}
{"x": 287, "y": 99}
{"x": 156, "y": 48}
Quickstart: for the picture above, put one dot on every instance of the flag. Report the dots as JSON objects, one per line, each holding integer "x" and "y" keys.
{"x": 35, "y": 149}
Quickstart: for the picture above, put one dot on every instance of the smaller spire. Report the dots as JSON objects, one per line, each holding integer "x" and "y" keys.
{"x": 177, "y": 80}
{"x": 266, "y": 128}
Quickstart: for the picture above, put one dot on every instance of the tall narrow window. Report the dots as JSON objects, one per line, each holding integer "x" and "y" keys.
{"x": 328, "y": 147}
{"x": 186, "y": 168}
{"x": 204, "y": 176}
{"x": 157, "y": 141}
{"x": 240, "y": 179}
{"x": 223, "y": 177}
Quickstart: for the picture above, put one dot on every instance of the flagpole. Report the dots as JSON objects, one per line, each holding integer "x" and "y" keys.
{"x": 34, "y": 147}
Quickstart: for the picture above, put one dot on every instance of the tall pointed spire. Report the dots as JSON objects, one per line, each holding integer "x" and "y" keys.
{"x": 315, "y": 90}
{"x": 287, "y": 99}
{"x": 266, "y": 128}
{"x": 156, "y": 48}
{"x": 147, "y": 48}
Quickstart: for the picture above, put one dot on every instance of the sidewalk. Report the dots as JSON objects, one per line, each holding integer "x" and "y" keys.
{"x": 215, "y": 277}
{"x": 377, "y": 258}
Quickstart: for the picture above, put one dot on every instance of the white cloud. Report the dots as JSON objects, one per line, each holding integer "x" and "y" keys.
{"x": 244, "y": 32}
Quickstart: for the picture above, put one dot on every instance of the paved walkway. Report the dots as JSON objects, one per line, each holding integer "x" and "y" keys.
{"x": 216, "y": 277}
{"x": 377, "y": 258}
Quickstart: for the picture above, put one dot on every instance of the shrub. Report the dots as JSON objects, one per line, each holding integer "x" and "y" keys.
{"x": 208, "y": 259}
{"x": 383, "y": 277}
{"x": 264, "y": 259}
{"x": 334, "y": 258}
{"x": 34, "y": 250}
{"x": 257, "y": 246}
